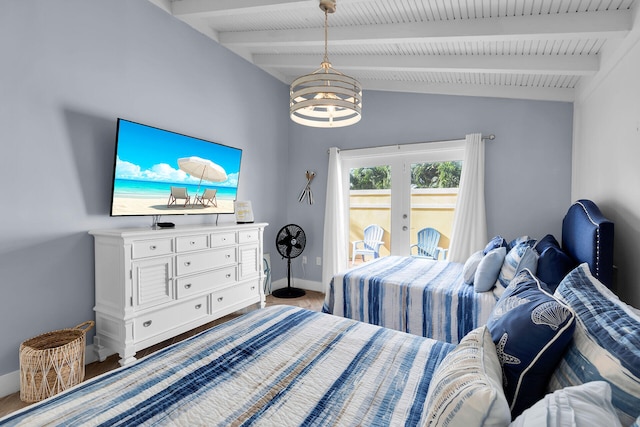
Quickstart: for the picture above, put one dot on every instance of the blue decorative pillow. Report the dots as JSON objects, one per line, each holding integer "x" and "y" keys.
{"x": 606, "y": 342}
{"x": 521, "y": 256}
{"x": 495, "y": 243}
{"x": 522, "y": 239}
{"x": 470, "y": 267}
{"x": 547, "y": 241}
{"x": 553, "y": 263}
{"x": 488, "y": 269}
{"x": 531, "y": 330}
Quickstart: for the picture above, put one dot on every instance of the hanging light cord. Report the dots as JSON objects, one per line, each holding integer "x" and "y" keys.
{"x": 326, "y": 36}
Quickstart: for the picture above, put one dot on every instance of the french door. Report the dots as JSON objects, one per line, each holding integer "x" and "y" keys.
{"x": 386, "y": 186}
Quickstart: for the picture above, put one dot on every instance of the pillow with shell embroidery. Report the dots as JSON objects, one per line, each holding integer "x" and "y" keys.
{"x": 531, "y": 330}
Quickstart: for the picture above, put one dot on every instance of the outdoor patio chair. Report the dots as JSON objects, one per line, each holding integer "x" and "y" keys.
{"x": 208, "y": 198}
{"x": 427, "y": 246}
{"x": 178, "y": 193}
{"x": 371, "y": 243}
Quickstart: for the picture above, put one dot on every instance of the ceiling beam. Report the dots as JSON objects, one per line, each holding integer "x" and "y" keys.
{"x": 615, "y": 23}
{"x": 208, "y": 8}
{"x": 576, "y": 65}
{"x": 489, "y": 91}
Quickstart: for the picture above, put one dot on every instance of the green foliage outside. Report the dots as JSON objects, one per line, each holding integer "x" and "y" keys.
{"x": 374, "y": 178}
{"x": 423, "y": 175}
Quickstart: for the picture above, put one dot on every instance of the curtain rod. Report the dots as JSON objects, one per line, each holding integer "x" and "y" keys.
{"x": 490, "y": 137}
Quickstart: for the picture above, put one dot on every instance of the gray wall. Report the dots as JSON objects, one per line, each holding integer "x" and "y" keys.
{"x": 528, "y": 165}
{"x": 66, "y": 77}
{"x": 69, "y": 69}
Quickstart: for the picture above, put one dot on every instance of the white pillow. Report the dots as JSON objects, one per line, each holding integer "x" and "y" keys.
{"x": 466, "y": 388}
{"x": 470, "y": 267}
{"x": 588, "y": 404}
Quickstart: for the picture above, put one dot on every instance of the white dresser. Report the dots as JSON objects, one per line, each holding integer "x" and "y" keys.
{"x": 152, "y": 285}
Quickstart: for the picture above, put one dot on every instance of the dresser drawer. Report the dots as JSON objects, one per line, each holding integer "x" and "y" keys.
{"x": 192, "y": 243}
{"x": 148, "y": 325}
{"x": 200, "y": 261}
{"x": 148, "y": 248}
{"x": 229, "y": 296}
{"x": 247, "y": 236}
{"x": 223, "y": 239}
{"x": 210, "y": 280}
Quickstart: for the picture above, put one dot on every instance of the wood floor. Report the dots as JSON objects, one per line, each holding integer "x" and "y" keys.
{"x": 312, "y": 301}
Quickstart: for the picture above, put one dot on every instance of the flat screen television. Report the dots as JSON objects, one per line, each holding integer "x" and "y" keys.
{"x": 158, "y": 172}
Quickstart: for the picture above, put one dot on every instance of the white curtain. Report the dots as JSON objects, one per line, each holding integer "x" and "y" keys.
{"x": 334, "y": 252}
{"x": 469, "y": 232}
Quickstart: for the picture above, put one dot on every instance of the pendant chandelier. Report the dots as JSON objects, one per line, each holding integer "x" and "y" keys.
{"x": 326, "y": 97}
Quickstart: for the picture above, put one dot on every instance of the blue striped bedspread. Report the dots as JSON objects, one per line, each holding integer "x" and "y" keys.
{"x": 415, "y": 295}
{"x": 282, "y": 366}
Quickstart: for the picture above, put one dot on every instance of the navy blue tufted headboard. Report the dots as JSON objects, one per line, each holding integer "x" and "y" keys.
{"x": 588, "y": 237}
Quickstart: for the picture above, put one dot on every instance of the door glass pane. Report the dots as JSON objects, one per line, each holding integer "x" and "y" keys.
{"x": 369, "y": 204}
{"x": 434, "y": 192}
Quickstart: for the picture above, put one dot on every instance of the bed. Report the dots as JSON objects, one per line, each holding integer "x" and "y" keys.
{"x": 431, "y": 299}
{"x": 286, "y": 366}
{"x": 280, "y": 366}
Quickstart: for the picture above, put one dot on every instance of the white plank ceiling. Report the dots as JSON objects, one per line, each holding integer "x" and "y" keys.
{"x": 529, "y": 49}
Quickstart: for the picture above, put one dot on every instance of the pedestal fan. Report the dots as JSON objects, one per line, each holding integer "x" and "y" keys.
{"x": 290, "y": 243}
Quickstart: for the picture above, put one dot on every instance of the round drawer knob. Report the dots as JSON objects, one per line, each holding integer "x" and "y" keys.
{"x": 152, "y": 247}
{"x": 228, "y": 275}
{"x": 187, "y": 264}
{"x": 187, "y": 286}
{"x": 220, "y": 299}
{"x": 198, "y": 307}
{"x": 192, "y": 243}
{"x": 147, "y": 323}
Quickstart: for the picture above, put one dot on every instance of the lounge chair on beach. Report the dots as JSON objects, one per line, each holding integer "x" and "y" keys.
{"x": 208, "y": 198}
{"x": 178, "y": 193}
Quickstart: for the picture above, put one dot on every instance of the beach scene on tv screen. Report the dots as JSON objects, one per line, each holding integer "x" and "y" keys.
{"x": 158, "y": 172}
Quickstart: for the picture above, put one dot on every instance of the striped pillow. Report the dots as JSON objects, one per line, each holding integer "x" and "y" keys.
{"x": 606, "y": 342}
{"x": 582, "y": 405}
{"x": 466, "y": 388}
{"x": 521, "y": 256}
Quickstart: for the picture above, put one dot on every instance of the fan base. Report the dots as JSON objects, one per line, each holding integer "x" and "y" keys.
{"x": 288, "y": 293}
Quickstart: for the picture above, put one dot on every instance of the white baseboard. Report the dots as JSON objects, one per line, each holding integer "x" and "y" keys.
{"x": 10, "y": 383}
{"x": 309, "y": 285}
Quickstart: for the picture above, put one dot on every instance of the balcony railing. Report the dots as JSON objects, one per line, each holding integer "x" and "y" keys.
{"x": 433, "y": 207}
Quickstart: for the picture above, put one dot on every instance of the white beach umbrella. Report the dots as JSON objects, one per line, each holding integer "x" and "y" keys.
{"x": 203, "y": 169}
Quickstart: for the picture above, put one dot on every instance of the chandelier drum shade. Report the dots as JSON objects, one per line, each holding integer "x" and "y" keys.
{"x": 326, "y": 97}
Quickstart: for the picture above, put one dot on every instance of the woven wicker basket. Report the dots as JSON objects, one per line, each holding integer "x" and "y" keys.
{"x": 52, "y": 362}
